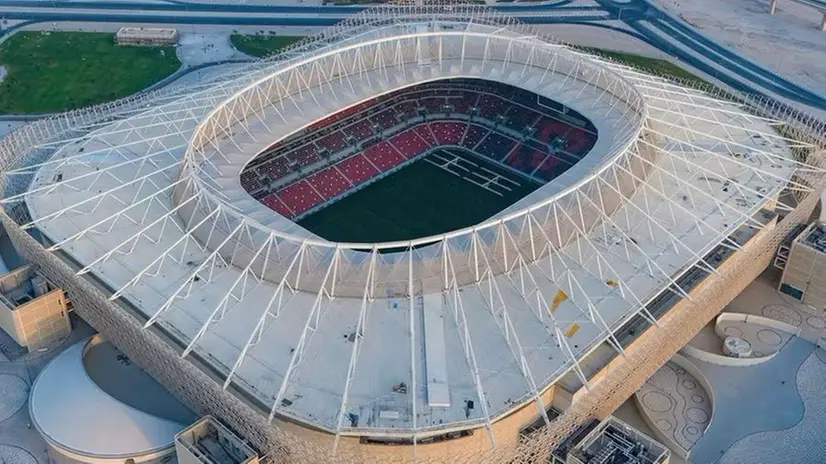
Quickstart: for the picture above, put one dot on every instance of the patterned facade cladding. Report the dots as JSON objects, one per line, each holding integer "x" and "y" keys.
{"x": 191, "y": 382}
{"x": 188, "y": 383}
{"x": 204, "y": 395}
{"x": 679, "y": 327}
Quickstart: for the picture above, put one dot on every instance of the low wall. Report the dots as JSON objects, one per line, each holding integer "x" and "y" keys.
{"x": 723, "y": 360}
{"x": 753, "y": 319}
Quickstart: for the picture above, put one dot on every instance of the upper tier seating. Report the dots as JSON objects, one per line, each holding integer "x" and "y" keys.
{"x": 333, "y": 142}
{"x": 360, "y": 131}
{"x": 305, "y": 155}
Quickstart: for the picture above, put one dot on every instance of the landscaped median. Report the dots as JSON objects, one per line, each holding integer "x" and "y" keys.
{"x": 57, "y": 71}
{"x": 262, "y": 45}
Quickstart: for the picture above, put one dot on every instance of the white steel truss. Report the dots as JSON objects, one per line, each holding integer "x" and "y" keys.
{"x": 144, "y": 196}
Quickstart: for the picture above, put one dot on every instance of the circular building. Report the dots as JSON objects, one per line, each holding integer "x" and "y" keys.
{"x": 92, "y": 404}
{"x": 417, "y": 228}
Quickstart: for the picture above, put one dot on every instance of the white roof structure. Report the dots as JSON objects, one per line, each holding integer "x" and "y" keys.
{"x": 149, "y": 203}
{"x": 82, "y": 420}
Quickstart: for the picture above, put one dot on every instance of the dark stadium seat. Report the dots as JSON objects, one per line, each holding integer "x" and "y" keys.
{"x": 333, "y": 142}
{"x": 432, "y": 105}
{"x": 578, "y": 141}
{"x": 519, "y": 118}
{"x": 276, "y": 168}
{"x": 490, "y": 106}
{"x": 547, "y": 129}
{"x": 384, "y": 120}
{"x": 360, "y": 131}
{"x": 304, "y": 156}
{"x": 473, "y": 136}
{"x": 249, "y": 181}
{"x": 464, "y": 101}
{"x": 406, "y": 108}
{"x": 495, "y": 146}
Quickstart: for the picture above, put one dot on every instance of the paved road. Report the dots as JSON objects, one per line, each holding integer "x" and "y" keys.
{"x": 646, "y": 21}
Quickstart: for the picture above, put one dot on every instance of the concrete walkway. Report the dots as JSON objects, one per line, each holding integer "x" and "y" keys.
{"x": 802, "y": 442}
{"x": 752, "y": 399}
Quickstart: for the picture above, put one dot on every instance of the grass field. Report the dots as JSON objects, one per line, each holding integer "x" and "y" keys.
{"x": 56, "y": 71}
{"x": 262, "y": 45}
{"x": 654, "y": 65}
{"x": 419, "y": 200}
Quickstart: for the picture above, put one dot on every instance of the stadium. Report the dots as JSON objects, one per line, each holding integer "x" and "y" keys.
{"x": 421, "y": 228}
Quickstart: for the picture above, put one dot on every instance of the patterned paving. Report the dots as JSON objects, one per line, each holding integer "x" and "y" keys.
{"x": 13, "y": 395}
{"x": 677, "y": 405}
{"x": 14, "y": 455}
{"x": 763, "y": 340}
{"x": 753, "y": 400}
{"x": 783, "y": 313}
{"x": 802, "y": 443}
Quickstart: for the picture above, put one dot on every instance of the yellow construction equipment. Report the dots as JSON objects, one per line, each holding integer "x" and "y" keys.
{"x": 559, "y": 298}
{"x": 572, "y": 330}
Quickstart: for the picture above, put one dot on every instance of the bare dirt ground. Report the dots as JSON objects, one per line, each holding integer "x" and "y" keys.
{"x": 790, "y": 42}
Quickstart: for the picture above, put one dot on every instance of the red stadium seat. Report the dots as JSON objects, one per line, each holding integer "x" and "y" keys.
{"x": 274, "y": 203}
{"x": 357, "y": 169}
{"x": 409, "y": 144}
{"x": 299, "y": 196}
{"x": 383, "y": 156}
{"x": 448, "y": 133}
{"x": 329, "y": 182}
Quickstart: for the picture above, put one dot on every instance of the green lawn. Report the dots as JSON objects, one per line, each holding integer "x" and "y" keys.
{"x": 262, "y": 45}
{"x": 57, "y": 71}
{"x": 645, "y": 63}
{"x": 419, "y": 200}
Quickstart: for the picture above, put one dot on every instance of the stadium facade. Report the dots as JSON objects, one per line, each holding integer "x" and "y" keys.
{"x": 446, "y": 346}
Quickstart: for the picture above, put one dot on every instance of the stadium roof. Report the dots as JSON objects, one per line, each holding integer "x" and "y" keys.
{"x": 148, "y": 203}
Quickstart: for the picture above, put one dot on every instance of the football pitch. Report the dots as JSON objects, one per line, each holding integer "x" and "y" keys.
{"x": 419, "y": 200}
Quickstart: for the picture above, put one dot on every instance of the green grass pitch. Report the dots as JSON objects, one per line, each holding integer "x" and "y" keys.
{"x": 417, "y": 201}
